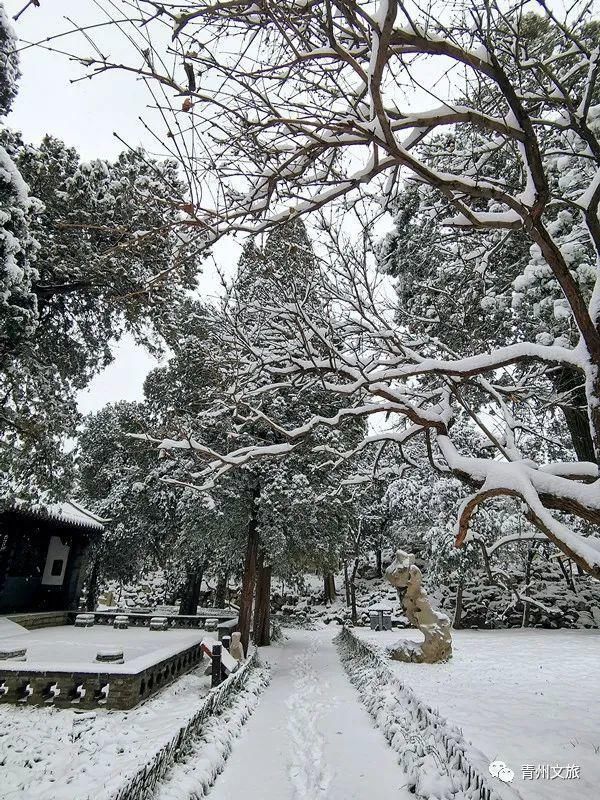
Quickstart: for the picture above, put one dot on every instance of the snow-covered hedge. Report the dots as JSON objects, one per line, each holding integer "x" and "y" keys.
{"x": 192, "y": 778}
{"x": 208, "y": 735}
{"x": 438, "y": 761}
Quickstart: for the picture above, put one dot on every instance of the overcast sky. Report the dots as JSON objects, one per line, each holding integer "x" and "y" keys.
{"x": 86, "y": 114}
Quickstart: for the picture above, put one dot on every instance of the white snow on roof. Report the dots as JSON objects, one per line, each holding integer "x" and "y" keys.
{"x": 69, "y": 512}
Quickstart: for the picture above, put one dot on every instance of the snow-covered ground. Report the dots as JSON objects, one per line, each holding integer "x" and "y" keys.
{"x": 10, "y": 628}
{"x": 310, "y": 738}
{"x": 526, "y": 697}
{"x": 52, "y": 754}
{"x": 69, "y": 648}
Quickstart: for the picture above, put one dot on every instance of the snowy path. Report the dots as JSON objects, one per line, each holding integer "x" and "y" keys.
{"x": 310, "y": 738}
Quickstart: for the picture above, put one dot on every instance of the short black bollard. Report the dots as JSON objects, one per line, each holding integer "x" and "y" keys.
{"x": 216, "y": 665}
{"x": 226, "y": 641}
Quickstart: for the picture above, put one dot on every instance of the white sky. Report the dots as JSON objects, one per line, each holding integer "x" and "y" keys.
{"x": 86, "y": 115}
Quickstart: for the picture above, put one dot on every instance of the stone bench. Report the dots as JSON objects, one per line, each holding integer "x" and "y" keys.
{"x": 84, "y": 621}
{"x": 112, "y": 655}
{"x": 13, "y": 653}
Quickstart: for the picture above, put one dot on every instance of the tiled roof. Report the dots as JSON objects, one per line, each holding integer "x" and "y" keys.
{"x": 69, "y": 512}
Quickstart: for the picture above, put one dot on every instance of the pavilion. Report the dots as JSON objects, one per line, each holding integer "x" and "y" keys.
{"x": 43, "y": 556}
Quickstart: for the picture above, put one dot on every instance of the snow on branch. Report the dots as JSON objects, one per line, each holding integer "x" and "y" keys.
{"x": 276, "y": 110}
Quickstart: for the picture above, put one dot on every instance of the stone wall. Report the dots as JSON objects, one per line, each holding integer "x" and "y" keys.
{"x": 41, "y": 619}
{"x": 125, "y": 690}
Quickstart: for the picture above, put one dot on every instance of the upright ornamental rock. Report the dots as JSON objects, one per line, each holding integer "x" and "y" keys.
{"x": 406, "y": 577}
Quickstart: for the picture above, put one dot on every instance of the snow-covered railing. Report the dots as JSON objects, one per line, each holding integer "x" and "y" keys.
{"x": 143, "y": 783}
{"x": 142, "y": 619}
{"x": 437, "y": 759}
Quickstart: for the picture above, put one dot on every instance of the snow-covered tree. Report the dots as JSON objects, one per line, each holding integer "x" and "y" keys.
{"x": 178, "y": 395}
{"x": 102, "y": 230}
{"x": 151, "y": 524}
{"x": 9, "y": 63}
{"x": 18, "y": 311}
{"x": 314, "y": 111}
{"x": 477, "y": 287}
{"x": 287, "y": 513}
{"x": 112, "y": 480}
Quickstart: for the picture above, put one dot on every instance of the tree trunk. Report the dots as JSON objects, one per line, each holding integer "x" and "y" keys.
{"x": 526, "y": 605}
{"x": 378, "y": 562}
{"x": 347, "y": 584}
{"x": 249, "y": 576}
{"x": 594, "y": 411}
{"x": 191, "y": 591}
{"x": 221, "y": 591}
{"x": 567, "y": 380}
{"x": 91, "y": 592}
{"x": 456, "y": 622}
{"x": 568, "y": 576}
{"x": 262, "y": 603}
{"x": 329, "y": 587}
{"x": 353, "y": 591}
{"x": 353, "y": 603}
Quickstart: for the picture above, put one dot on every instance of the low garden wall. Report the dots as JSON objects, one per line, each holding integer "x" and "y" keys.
{"x": 437, "y": 759}
{"x": 125, "y": 690}
{"x": 142, "y": 785}
{"x": 40, "y": 619}
{"x": 142, "y": 619}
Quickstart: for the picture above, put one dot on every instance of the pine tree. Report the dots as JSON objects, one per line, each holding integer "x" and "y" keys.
{"x": 18, "y": 312}
{"x": 101, "y": 231}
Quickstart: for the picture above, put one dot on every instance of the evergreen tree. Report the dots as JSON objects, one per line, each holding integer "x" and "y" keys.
{"x": 286, "y": 513}
{"x": 298, "y": 521}
{"x": 150, "y": 524}
{"x": 18, "y": 311}
{"x": 102, "y": 228}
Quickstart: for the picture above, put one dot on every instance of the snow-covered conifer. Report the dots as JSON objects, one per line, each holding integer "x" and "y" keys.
{"x": 101, "y": 230}
{"x": 18, "y": 311}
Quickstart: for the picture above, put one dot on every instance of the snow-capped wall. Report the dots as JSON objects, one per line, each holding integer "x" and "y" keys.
{"x": 145, "y": 781}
